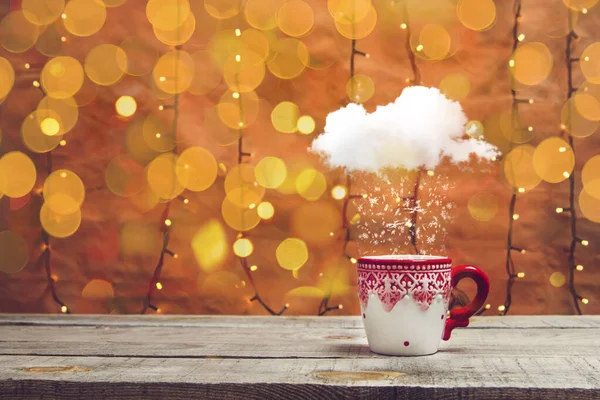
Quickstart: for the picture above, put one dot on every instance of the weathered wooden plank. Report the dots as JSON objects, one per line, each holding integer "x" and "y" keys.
{"x": 483, "y": 322}
{"x": 445, "y": 375}
{"x": 276, "y": 341}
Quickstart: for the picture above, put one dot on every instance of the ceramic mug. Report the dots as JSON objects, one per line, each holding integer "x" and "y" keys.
{"x": 404, "y": 301}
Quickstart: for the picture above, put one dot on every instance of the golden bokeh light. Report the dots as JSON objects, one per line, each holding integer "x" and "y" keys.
{"x": 14, "y": 252}
{"x": 339, "y": 192}
{"x": 358, "y": 29}
{"x": 33, "y": 137}
{"x": 257, "y": 42}
{"x": 474, "y": 129}
{"x": 270, "y": 172}
{"x": 557, "y": 279}
{"x": 62, "y": 77}
{"x": 59, "y": 225}
{"x": 64, "y": 192}
{"x": 239, "y": 218}
{"x": 435, "y": 40}
{"x": 311, "y": 184}
{"x": 553, "y": 160}
{"x": 590, "y": 63}
{"x": 589, "y": 204}
{"x": 223, "y": 9}
{"x": 7, "y": 77}
{"x": 162, "y": 177}
{"x": 580, "y": 5}
{"x": 360, "y": 88}
{"x": 57, "y": 116}
{"x": 349, "y": 11}
{"x": 17, "y": 174}
{"x": 179, "y": 35}
{"x": 455, "y": 86}
{"x": 477, "y": 15}
{"x": 105, "y": 64}
{"x": 196, "y": 169}
{"x": 49, "y": 126}
{"x": 306, "y": 124}
{"x": 167, "y": 15}
{"x": 310, "y": 292}
{"x": 289, "y": 58}
{"x": 238, "y": 113}
{"x": 295, "y": 18}
{"x": 126, "y": 106}
{"x": 284, "y": 117}
{"x": 139, "y": 238}
{"x": 50, "y": 43}
{"x": 531, "y": 63}
{"x": 292, "y": 254}
{"x": 124, "y": 176}
{"x": 574, "y": 122}
{"x": 174, "y": 72}
{"x": 483, "y": 206}
{"x": 261, "y": 14}
{"x": 158, "y": 134}
{"x": 42, "y": 12}
{"x": 519, "y": 170}
{"x": 590, "y": 176}
{"x": 210, "y": 246}
{"x": 265, "y": 210}
{"x": 136, "y": 145}
{"x": 241, "y": 186}
{"x": 206, "y": 74}
{"x": 17, "y": 33}
{"x": 246, "y": 74}
{"x": 243, "y": 247}
{"x": 513, "y": 129}
{"x": 84, "y": 17}
{"x": 587, "y": 106}
{"x": 98, "y": 289}
{"x": 114, "y": 3}
{"x": 141, "y": 55}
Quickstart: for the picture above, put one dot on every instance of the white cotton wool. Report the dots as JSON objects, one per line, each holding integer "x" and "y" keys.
{"x": 418, "y": 129}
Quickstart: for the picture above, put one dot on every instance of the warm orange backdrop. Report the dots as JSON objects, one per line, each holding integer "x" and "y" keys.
{"x": 93, "y": 251}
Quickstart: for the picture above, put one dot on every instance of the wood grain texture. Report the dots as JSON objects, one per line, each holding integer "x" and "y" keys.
{"x": 291, "y": 358}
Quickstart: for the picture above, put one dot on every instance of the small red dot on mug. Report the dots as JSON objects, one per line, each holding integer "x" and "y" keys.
{"x": 442, "y": 316}
{"x": 364, "y": 316}
{"x": 406, "y": 343}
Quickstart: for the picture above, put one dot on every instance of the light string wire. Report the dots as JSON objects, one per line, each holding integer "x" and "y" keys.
{"x": 45, "y": 257}
{"x": 511, "y": 274}
{"x": 165, "y": 222}
{"x": 575, "y": 240}
{"x": 241, "y": 155}
{"x": 324, "y": 306}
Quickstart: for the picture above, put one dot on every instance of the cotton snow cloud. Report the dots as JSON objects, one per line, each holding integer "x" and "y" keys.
{"x": 419, "y": 129}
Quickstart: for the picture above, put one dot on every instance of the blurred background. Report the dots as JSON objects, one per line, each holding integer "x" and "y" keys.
{"x": 154, "y": 153}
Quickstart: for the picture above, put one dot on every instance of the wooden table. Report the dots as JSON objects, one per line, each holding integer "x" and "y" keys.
{"x": 203, "y": 357}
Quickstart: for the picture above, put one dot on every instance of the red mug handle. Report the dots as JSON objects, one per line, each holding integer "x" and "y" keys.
{"x": 459, "y": 317}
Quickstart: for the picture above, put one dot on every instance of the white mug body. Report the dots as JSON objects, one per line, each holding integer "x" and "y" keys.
{"x": 404, "y": 302}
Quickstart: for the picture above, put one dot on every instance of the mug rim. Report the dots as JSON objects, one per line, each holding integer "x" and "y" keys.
{"x": 404, "y": 259}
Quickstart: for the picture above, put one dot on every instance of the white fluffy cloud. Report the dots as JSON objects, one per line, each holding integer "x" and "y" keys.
{"x": 419, "y": 129}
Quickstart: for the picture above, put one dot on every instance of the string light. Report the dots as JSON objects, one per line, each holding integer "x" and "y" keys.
{"x": 579, "y": 267}
{"x": 403, "y": 26}
{"x": 521, "y": 275}
{"x": 584, "y": 300}
{"x": 512, "y": 215}
{"x": 159, "y": 286}
{"x": 64, "y": 310}
{"x": 63, "y": 142}
{"x": 238, "y": 32}
{"x": 164, "y": 218}
{"x": 241, "y": 155}
{"x": 570, "y": 60}
{"x": 340, "y": 192}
